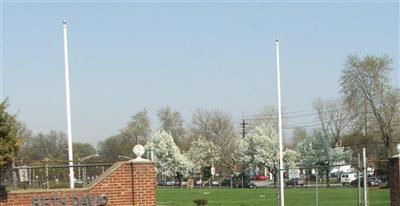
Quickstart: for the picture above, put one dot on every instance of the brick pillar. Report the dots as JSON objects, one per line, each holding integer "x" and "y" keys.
{"x": 394, "y": 180}
{"x": 144, "y": 183}
{"x": 123, "y": 184}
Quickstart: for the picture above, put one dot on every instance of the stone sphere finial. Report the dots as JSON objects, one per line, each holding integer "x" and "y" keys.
{"x": 398, "y": 149}
{"x": 139, "y": 150}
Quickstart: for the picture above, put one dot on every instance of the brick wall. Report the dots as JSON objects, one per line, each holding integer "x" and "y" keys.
{"x": 394, "y": 180}
{"x": 125, "y": 183}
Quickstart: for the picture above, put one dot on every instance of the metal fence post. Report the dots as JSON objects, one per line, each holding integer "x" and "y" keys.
{"x": 84, "y": 178}
{"x": 365, "y": 178}
{"x": 46, "y": 174}
{"x": 14, "y": 175}
{"x": 358, "y": 180}
{"x": 316, "y": 187}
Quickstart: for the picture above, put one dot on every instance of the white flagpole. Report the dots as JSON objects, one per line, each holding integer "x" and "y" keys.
{"x": 68, "y": 104}
{"x": 281, "y": 192}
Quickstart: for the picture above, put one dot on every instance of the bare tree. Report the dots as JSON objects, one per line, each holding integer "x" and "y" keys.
{"x": 366, "y": 79}
{"x": 172, "y": 122}
{"x": 334, "y": 117}
{"x": 299, "y": 134}
{"x": 138, "y": 128}
{"x": 269, "y": 116}
{"x": 137, "y": 131}
{"x": 216, "y": 126}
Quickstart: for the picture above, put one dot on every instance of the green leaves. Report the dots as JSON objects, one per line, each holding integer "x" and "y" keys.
{"x": 9, "y": 142}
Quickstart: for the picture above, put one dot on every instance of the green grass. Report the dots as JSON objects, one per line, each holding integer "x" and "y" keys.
{"x": 255, "y": 197}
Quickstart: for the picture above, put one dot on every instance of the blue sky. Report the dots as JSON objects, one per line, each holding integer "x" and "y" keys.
{"x": 128, "y": 56}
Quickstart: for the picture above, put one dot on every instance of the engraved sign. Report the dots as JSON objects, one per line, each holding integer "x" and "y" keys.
{"x": 82, "y": 200}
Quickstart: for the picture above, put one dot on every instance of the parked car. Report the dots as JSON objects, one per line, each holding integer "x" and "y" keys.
{"x": 215, "y": 183}
{"x": 294, "y": 182}
{"x": 261, "y": 177}
{"x": 382, "y": 178}
{"x": 198, "y": 182}
{"x": 347, "y": 178}
{"x": 170, "y": 183}
{"x": 226, "y": 182}
{"x": 250, "y": 184}
{"x": 184, "y": 183}
{"x": 372, "y": 182}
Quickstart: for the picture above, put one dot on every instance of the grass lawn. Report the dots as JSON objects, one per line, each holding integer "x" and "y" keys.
{"x": 255, "y": 197}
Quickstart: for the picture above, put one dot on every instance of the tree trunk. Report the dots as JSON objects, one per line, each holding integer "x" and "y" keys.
{"x": 327, "y": 177}
{"x": 275, "y": 178}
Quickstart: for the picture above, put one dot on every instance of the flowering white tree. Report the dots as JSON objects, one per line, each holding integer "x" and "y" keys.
{"x": 203, "y": 152}
{"x": 290, "y": 158}
{"x": 316, "y": 150}
{"x": 260, "y": 147}
{"x": 167, "y": 155}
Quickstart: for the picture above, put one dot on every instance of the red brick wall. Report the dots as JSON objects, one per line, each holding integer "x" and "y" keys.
{"x": 394, "y": 181}
{"x": 123, "y": 184}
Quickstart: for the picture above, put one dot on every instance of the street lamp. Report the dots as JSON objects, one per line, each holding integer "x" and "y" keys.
{"x": 80, "y": 160}
{"x": 125, "y": 157}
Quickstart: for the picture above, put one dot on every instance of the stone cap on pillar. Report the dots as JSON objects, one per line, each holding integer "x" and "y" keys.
{"x": 398, "y": 151}
{"x": 139, "y": 150}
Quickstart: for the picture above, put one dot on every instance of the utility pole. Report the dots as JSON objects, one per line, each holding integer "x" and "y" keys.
{"x": 243, "y": 124}
{"x": 278, "y": 76}
{"x": 68, "y": 105}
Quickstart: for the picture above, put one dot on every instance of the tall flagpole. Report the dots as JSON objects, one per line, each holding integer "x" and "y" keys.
{"x": 278, "y": 75}
{"x": 68, "y": 104}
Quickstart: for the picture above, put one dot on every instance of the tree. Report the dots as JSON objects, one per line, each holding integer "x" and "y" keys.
{"x": 137, "y": 132}
{"x": 316, "y": 151}
{"x": 334, "y": 117}
{"x": 260, "y": 147}
{"x": 23, "y": 133}
{"x": 82, "y": 150}
{"x": 138, "y": 128}
{"x": 52, "y": 146}
{"x": 169, "y": 159}
{"x": 217, "y": 127}
{"x": 299, "y": 134}
{"x": 9, "y": 141}
{"x": 290, "y": 158}
{"x": 269, "y": 116}
{"x": 115, "y": 146}
{"x": 203, "y": 152}
{"x": 365, "y": 81}
{"x": 172, "y": 122}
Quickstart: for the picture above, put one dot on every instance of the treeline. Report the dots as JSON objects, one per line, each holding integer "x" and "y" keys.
{"x": 366, "y": 115}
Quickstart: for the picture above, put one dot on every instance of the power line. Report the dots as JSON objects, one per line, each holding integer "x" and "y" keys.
{"x": 273, "y": 116}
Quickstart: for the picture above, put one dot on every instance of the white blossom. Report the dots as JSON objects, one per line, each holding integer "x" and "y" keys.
{"x": 167, "y": 155}
{"x": 203, "y": 152}
{"x": 260, "y": 147}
